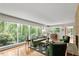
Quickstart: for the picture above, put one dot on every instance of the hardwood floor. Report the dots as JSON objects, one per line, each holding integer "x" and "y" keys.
{"x": 22, "y": 50}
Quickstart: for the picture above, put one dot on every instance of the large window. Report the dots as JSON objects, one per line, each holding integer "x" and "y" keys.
{"x": 1, "y": 26}
{"x": 7, "y": 33}
{"x": 55, "y": 29}
{"x": 39, "y": 31}
{"x": 10, "y": 28}
{"x": 63, "y": 30}
{"x": 70, "y": 30}
{"x": 11, "y": 33}
{"x": 23, "y": 32}
{"x": 33, "y": 32}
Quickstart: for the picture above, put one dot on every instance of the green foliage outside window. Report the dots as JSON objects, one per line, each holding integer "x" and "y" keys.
{"x": 5, "y": 39}
{"x": 12, "y": 29}
{"x": 32, "y": 31}
{"x": 39, "y": 31}
{"x": 10, "y": 32}
{"x": 55, "y": 30}
{"x": 1, "y": 26}
{"x": 70, "y": 30}
{"x": 7, "y": 33}
{"x": 23, "y": 32}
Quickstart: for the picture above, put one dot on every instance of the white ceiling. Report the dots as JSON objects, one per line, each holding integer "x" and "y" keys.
{"x": 45, "y": 13}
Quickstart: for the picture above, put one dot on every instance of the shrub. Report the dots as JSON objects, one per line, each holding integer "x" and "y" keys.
{"x": 5, "y": 38}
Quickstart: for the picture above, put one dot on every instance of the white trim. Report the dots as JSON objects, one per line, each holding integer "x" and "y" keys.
{"x": 29, "y": 31}
{"x": 17, "y": 34}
